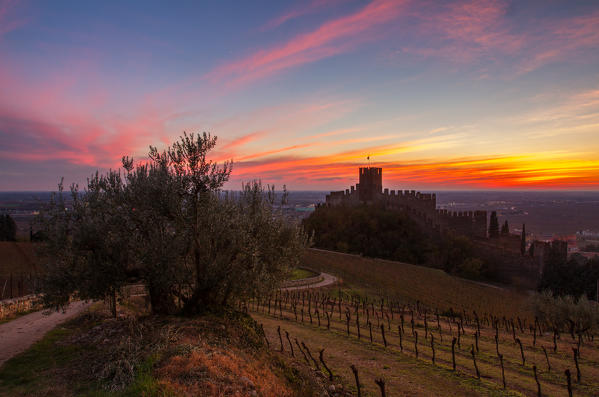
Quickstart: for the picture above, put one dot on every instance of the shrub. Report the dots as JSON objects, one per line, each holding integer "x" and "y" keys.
{"x": 168, "y": 224}
{"x": 566, "y": 313}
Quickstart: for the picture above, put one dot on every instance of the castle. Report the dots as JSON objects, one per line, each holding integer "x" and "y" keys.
{"x": 421, "y": 206}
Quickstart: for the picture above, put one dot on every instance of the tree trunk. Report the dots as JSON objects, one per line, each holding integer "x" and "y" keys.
{"x": 162, "y": 302}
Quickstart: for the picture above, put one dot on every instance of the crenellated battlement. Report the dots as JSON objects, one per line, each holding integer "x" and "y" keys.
{"x": 421, "y": 206}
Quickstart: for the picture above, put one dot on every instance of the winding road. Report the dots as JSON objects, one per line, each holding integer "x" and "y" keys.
{"x": 327, "y": 279}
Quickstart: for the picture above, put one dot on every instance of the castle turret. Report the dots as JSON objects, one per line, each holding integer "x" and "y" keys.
{"x": 371, "y": 183}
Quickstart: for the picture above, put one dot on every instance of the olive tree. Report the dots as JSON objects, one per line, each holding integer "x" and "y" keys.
{"x": 167, "y": 223}
{"x": 576, "y": 315}
{"x": 86, "y": 254}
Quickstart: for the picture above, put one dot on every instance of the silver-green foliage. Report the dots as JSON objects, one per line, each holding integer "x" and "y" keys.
{"x": 167, "y": 223}
{"x": 574, "y": 315}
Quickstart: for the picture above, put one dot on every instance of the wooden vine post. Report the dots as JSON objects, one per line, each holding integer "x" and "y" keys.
{"x": 320, "y": 353}
{"x": 453, "y": 352}
{"x": 290, "y": 344}
{"x": 380, "y": 382}
{"x": 355, "y": 371}
{"x": 316, "y": 366}
{"x": 497, "y": 344}
{"x": 265, "y": 338}
{"x": 383, "y": 334}
{"x": 575, "y": 352}
{"x": 502, "y": 369}
{"x": 303, "y": 354}
{"x": 433, "y": 346}
{"x": 280, "y": 338}
{"x": 347, "y": 316}
{"x": 569, "y": 381}
{"x": 547, "y": 359}
{"x": 400, "y": 338}
{"x": 534, "y": 370}
{"x": 416, "y": 343}
{"x": 521, "y": 350}
{"x": 474, "y": 361}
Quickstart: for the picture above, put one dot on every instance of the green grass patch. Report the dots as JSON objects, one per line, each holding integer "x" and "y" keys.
{"x": 144, "y": 383}
{"x": 44, "y": 369}
{"x": 22, "y": 374}
{"x": 299, "y": 273}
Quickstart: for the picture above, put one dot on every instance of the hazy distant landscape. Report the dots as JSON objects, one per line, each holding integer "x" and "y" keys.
{"x": 545, "y": 213}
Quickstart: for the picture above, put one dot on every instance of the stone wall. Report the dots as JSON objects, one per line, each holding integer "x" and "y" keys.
{"x": 11, "y": 307}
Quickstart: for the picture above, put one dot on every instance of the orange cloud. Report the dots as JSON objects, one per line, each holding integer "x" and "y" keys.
{"x": 526, "y": 171}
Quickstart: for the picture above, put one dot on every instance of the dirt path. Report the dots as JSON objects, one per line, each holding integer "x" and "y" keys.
{"x": 328, "y": 279}
{"x": 18, "y": 335}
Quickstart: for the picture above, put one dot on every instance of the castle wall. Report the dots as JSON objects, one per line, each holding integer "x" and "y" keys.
{"x": 422, "y": 206}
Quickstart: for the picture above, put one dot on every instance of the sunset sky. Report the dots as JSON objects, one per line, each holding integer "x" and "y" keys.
{"x": 441, "y": 94}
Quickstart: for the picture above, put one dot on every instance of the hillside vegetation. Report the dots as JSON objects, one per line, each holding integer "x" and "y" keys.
{"x": 377, "y": 231}
{"x": 411, "y": 283}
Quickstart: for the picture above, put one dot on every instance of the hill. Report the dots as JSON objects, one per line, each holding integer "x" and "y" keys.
{"x": 412, "y": 283}
{"x": 423, "y": 332}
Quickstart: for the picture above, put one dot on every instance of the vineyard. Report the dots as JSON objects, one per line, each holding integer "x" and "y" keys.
{"x": 427, "y": 344}
{"x": 412, "y": 283}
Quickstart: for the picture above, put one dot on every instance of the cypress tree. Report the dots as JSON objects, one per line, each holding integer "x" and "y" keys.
{"x": 505, "y": 229}
{"x": 493, "y": 225}
{"x": 8, "y": 228}
{"x": 523, "y": 240}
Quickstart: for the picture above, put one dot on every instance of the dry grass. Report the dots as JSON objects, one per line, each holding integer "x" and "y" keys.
{"x": 209, "y": 371}
{"x": 428, "y": 378}
{"x": 95, "y": 355}
{"x": 372, "y": 279}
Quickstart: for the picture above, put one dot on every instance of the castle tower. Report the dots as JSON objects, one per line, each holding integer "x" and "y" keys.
{"x": 371, "y": 183}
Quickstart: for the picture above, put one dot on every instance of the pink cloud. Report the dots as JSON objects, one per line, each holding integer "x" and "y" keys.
{"x": 305, "y": 9}
{"x": 42, "y": 121}
{"x": 7, "y": 21}
{"x": 467, "y": 31}
{"x": 331, "y": 38}
{"x": 566, "y": 39}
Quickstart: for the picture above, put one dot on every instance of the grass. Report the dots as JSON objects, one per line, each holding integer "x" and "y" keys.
{"x": 299, "y": 273}
{"x": 420, "y": 376}
{"x": 403, "y": 375}
{"x": 93, "y": 355}
{"x": 21, "y": 374}
{"x": 406, "y": 373}
{"x": 55, "y": 365}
